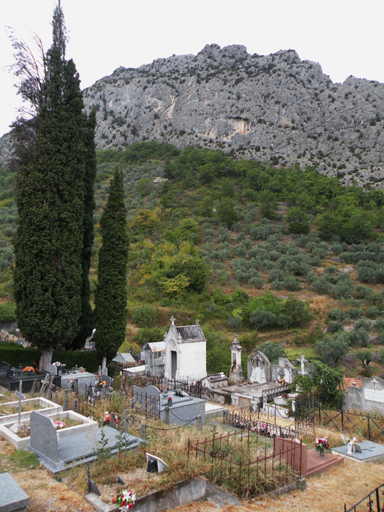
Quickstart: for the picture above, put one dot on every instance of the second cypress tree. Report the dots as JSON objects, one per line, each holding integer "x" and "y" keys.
{"x": 111, "y": 292}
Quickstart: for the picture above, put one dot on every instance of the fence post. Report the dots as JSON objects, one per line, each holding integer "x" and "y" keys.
{"x": 240, "y": 463}
{"x": 369, "y": 429}
{"x": 342, "y": 419}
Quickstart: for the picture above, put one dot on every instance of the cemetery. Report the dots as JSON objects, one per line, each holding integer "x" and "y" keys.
{"x": 216, "y": 421}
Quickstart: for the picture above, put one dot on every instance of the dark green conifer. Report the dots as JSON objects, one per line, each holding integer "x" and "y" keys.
{"x": 111, "y": 292}
{"x": 54, "y": 200}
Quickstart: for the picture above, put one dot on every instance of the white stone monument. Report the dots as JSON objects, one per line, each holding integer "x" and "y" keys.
{"x": 236, "y": 370}
{"x": 185, "y": 352}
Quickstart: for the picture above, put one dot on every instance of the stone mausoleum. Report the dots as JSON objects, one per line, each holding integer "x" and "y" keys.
{"x": 185, "y": 352}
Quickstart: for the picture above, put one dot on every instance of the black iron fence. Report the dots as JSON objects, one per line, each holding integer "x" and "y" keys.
{"x": 193, "y": 388}
{"x": 257, "y": 421}
{"x": 370, "y": 503}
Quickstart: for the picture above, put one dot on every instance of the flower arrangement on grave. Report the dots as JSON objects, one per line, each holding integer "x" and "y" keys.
{"x": 28, "y": 370}
{"x": 348, "y": 440}
{"x": 239, "y": 423}
{"x": 284, "y": 395}
{"x": 59, "y": 424}
{"x": 321, "y": 444}
{"x": 58, "y": 364}
{"x": 107, "y": 418}
{"x": 264, "y": 430}
{"x": 81, "y": 369}
{"x": 126, "y": 500}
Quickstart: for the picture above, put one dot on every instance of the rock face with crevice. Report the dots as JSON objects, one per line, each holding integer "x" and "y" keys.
{"x": 274, "y": 108}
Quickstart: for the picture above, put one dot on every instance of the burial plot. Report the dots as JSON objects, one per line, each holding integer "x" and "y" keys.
{"x": 370, "y": 452}
{"x": 56, "y": 452}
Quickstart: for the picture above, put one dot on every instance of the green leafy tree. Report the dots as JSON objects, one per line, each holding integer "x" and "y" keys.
{"x": 330, "y": 383}
{"x": 298, "y": 221}
{"x": 111, "y": 291}
{"x": 272, "y": 350}
{"x": 54, "y": 159}
{"x": 333, "y": 350}
{"x": 226, "y": 211}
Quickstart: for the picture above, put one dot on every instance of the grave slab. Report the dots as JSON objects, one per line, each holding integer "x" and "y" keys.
{"x": 370, "y": 452}
{"x": 58, "y": 453}
{"x": 12, "y": 496}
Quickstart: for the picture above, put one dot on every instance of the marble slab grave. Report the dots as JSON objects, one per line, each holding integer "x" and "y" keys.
{"x": 370, "y": 452}
{"x": 12, "y": 496}
{"x": 58, "y": 453}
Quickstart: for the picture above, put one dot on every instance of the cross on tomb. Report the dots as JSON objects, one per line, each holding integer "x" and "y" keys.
{"x": 173, "y": 320}
{"x": 21, "y": 397}
{"x": 257, "y": 361}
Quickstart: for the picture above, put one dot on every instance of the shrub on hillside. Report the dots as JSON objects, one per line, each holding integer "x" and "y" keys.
{"x": 144, "y": 316}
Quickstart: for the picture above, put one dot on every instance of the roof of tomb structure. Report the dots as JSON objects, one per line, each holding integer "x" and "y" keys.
{"x": 158, "y": 346}
{"x": 216, "y": 377}
{"x": 124, "y": 358}
{"x": 187, "y": 333}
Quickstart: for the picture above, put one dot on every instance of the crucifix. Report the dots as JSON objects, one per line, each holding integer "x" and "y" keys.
{"x": 257, "y": 360}
{"x": 21, "y": 397}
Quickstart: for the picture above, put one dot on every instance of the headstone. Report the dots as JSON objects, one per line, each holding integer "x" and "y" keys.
{"x": 75, "y": 405}
{"x": 104, "y": 391}
{"x": 43, "y": 436}
{"x": 65, "y": 400}
{"x": 112, "y": 422}
{"x": 259, "y": 368}
{"x": 302, "y": 361}
{"x": 56, "y": 397}
{"x": 199, "y": 423}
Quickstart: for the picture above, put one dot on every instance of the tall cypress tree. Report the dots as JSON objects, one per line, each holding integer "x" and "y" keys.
{"x": 55, "y": 183}
{"x": 111, "y": 292}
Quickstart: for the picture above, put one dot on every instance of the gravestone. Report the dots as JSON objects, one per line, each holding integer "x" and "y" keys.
{"x": 12, "y": 496}
{"x": 284, "y": 370}
{"x": 33, "y": 388}
{"x": 259, "y": 368}
{"x": 44, "y": 384}
{"x": 43, "y": 436}
{"x": 75, "y": 405}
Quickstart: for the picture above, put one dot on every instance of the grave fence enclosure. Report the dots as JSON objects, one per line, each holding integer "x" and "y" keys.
{"x": 247, "y": 464}
{"x": 143, "y": 406}
{"x": 257, "y": 421}
{"x": 311, "y": 410}
{"x": 272, "y": 392}
{"x": 193, "y": 388}
{"x": 370, "y": 503}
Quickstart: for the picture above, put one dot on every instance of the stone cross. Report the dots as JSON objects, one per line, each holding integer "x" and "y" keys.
{"x": 257, "y": 361}
{"x": 44, "y": 384}
{"x": 302, "y": 358}
{"x": 173, "y": 320}
{"x": 21, "y": 397}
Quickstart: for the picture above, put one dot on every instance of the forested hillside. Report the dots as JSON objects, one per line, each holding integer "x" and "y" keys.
{"x": 274, "y": 254}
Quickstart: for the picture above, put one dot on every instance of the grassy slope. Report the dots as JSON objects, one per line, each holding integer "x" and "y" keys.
{"x": 166, "y": 206}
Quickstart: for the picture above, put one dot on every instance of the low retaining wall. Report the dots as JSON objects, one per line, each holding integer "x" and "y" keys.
{"x": 182, "y": 493}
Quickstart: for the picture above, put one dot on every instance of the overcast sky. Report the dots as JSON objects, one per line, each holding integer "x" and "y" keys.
{"x": 344, "y": 36}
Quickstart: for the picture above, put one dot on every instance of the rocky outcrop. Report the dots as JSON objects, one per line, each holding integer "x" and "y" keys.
{"x": 276, "y": 108}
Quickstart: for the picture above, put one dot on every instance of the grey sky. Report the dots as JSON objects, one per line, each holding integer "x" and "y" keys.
{"x": 344, "y": 36}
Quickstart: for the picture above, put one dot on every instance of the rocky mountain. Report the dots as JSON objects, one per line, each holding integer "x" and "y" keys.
{"x": 275, "y": 108}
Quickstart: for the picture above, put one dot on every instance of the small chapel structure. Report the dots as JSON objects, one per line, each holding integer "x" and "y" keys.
{"x": 185, "y": 352}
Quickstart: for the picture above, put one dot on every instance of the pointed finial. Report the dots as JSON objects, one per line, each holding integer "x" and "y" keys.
{"x": 173, "y": 320}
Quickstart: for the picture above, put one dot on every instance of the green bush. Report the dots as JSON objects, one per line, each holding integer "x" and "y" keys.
{"x": 8, "y": 312}
{"x": 144, "y": 316}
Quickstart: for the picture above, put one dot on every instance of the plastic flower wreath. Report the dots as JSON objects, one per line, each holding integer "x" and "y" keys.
{"x": 126, "y": 500}
{"x": 348, "y": 440}
{"x": 321, "y": 443}
{"x": 29, "y": 369}
{"x": 59, "y": 424}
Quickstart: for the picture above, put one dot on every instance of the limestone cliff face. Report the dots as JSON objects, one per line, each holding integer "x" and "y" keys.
{"x": 275, "y": 107}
